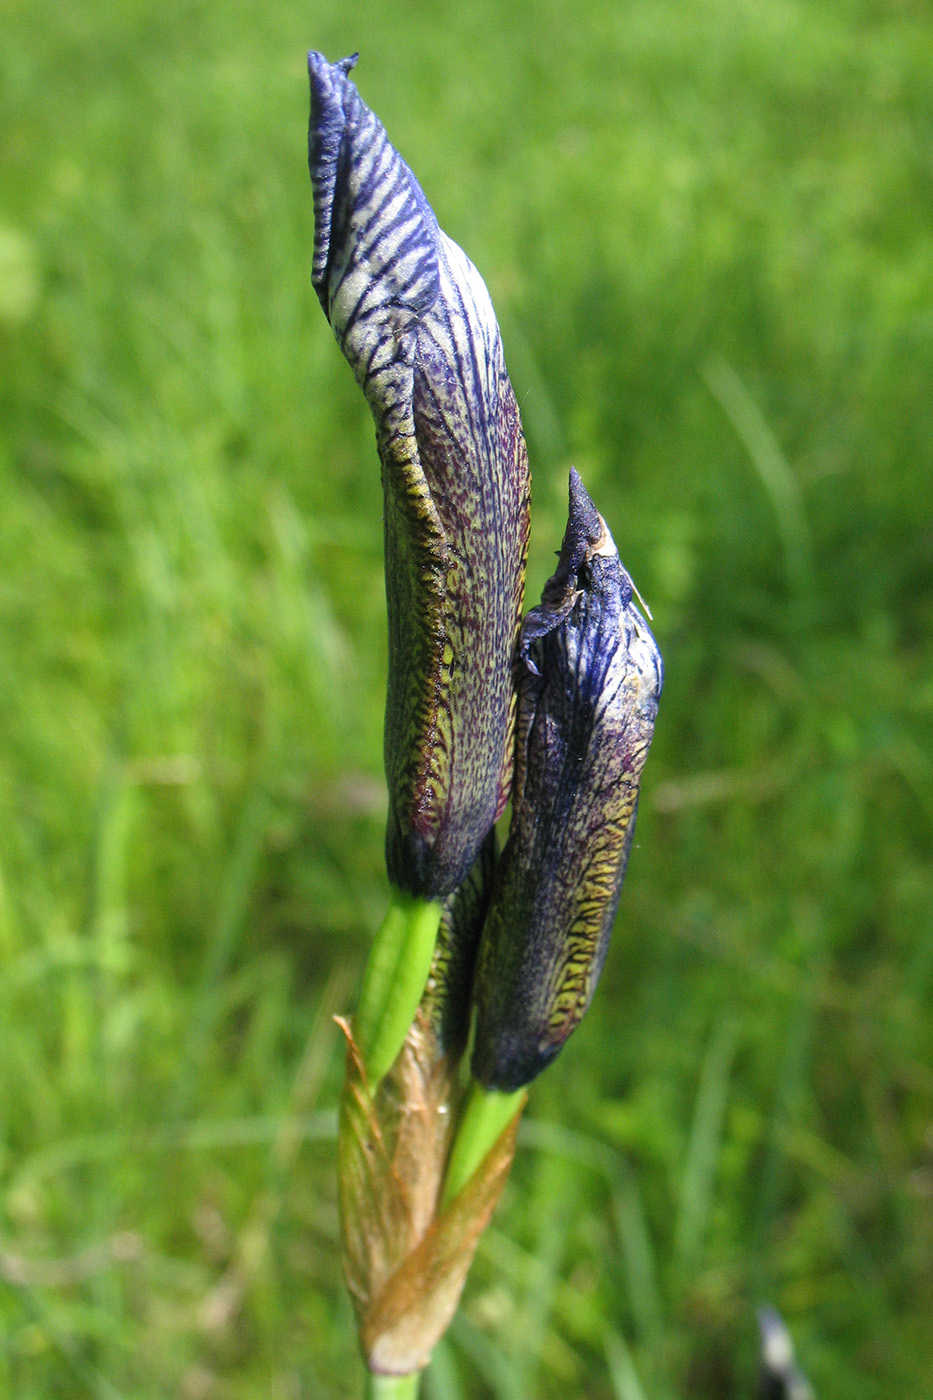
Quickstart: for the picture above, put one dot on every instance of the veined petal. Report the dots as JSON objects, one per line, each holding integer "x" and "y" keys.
{"x": 414, "y": 319}
{"x": 588, "y": 698}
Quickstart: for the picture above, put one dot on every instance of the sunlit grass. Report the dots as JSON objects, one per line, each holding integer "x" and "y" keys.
{"x": 707, "y": 230}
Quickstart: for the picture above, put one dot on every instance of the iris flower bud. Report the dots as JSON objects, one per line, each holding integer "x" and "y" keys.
{"x": 588, "y": 697}
{"x": 415, "y": 322}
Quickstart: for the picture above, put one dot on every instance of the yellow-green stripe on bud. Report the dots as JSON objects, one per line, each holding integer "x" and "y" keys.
{"x": 588, "y": 696}
{"x": 414, "y": 320}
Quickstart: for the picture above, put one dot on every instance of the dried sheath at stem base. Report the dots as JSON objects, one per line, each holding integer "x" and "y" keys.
{"x": 406, "y": 1260}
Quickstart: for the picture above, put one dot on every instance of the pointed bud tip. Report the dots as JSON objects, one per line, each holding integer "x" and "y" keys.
{"x": 332, "y": 96}
{"x": 318, "y": 65}
{"x": 584, "y": 518}
{"x": 586, "y": 530}
{"x": 328, "y": 84}
{"x": 587, "y": 535}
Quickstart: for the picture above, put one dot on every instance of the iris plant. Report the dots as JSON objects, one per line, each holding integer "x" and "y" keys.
{"x": 501, "y": 949}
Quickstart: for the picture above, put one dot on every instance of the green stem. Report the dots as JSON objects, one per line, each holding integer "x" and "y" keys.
{"x": 394, "y": 980}
{"x": 486, "y": 1114}
{"x": 392, "y": 1387}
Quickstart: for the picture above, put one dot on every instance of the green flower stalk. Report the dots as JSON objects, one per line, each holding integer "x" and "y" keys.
{"x": 399, "y": 964}
{"x": 588, "y": 696}
{"x": 414, "y": 320}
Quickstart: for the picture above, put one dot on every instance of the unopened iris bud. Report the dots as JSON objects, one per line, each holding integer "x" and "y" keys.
{"x": 414, "y": 319}
{"x": 588, "y": 697}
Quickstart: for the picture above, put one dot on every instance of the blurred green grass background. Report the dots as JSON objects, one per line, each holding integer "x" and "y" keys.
{"x": 707, "y": 227}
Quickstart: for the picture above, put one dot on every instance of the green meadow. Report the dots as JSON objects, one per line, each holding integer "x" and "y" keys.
{"x": 707, "y": 227}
